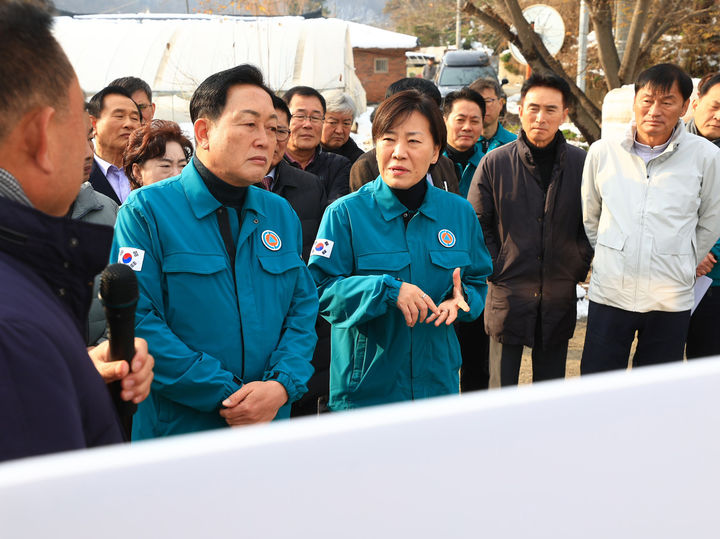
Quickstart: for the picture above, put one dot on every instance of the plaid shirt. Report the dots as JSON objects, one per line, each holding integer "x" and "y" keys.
{"x": 11, "y": 189}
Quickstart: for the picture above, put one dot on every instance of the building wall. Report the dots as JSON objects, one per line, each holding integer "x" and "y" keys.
{"x": 375, "y": 83}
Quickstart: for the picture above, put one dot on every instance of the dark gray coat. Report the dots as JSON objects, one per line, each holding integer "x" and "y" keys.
{"x": 536, "y": 240}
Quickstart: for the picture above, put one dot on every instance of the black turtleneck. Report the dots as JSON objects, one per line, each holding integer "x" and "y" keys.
{"x": 459, "y": 159}
{"x": 226, "y": 194}
{"x": 412, "y": 198}
{"x": 544, "y": 158}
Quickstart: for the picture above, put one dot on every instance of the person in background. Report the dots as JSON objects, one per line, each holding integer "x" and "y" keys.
{"x": 141, "y": 93}
{"x": 339, "y": 119}
{"x": 306, "y": 195}
{"x": 494, "y": 134}
{"x": 527, "y": 198}
{"x": 156, "y": 151}
{"x": 651, "y": 208}
{"x": 463, "y": 111}
{"x": 703, "y": 339}
{"x": 304, "y": 151}
{"x": 429, "y": 69}
{"x": 441, "y": 174}
{"x": 396, "y": 263}
{"x": 114, "y": 117}
{"x": 51, "y": 395}
{"x": 226, "y": 301}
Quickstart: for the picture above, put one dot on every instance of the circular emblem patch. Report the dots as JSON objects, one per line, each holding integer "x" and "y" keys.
{"x": 127, "y": 258}
{"x": 271, "y": 240}
{"x": 446, "y": 238}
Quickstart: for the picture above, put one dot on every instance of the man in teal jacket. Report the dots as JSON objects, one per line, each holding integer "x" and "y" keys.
{"x": 362, "y": 256}
{"x": 226, "y": 302}
{"x": 463, "y": 111}
{"x": 494, "y": 134}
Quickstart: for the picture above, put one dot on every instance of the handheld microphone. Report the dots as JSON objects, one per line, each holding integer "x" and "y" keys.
{"x": 119, "y": 296}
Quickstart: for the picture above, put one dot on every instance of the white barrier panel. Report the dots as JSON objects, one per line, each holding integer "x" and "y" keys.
{"x": 625, "y": 455}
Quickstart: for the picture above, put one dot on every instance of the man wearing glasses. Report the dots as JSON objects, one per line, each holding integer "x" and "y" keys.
{"x": 339, "y": 120}
{"x": 307, "y": 113}
{"x": 141, "y": 93}
{"x": 494, "y": 134}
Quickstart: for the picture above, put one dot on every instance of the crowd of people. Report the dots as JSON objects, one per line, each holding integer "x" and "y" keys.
{"x": 283, "y": 272}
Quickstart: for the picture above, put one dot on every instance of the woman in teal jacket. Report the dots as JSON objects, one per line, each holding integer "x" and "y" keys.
{"x": 396, "y": 263}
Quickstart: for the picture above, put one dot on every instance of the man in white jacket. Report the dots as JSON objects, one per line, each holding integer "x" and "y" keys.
{"x": 651, "y": 209}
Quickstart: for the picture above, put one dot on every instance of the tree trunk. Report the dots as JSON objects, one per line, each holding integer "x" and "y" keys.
{"x": 601, "y": 17}
{"x": 626, "y": 73}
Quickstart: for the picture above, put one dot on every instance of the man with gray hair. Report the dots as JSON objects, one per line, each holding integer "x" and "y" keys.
{"x": 339, "y": 119}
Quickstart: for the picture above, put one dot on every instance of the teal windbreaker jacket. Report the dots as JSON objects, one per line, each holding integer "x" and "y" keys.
{"x": 208, "y": 330}
{"x": 361, "y": 257}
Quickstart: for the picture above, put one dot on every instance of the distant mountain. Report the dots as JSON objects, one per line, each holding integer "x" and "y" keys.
{"x": 367, "y": 11}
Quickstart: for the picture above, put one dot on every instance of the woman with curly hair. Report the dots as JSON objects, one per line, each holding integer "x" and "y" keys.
{"x": 156, "y": 151}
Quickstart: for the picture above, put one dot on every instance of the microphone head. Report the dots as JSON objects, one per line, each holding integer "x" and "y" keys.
{"x": 118, "y": 286}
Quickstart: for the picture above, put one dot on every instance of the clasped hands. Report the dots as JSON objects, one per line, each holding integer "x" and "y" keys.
{"x": 415, "y": 304}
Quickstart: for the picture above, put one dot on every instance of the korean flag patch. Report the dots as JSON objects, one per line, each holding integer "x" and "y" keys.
{"x": 130, "y": 256}
{"x": 322, "y": 247}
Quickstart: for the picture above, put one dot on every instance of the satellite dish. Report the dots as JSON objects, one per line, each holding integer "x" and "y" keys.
{"x": 548, "y": 24}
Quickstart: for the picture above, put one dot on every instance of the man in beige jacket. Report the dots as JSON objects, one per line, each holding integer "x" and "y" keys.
{"x": 651, "y": 209}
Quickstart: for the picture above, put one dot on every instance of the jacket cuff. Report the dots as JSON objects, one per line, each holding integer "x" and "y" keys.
{"x": 293, "y": 391}
{"x": 392, "y": 286}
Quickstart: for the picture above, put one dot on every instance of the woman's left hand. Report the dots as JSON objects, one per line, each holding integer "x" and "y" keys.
{"x": 449, "y": 308}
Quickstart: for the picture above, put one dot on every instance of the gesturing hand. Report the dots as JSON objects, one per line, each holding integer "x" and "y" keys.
{"x": 414, "y": 304}
{"x": 448, "y": 309}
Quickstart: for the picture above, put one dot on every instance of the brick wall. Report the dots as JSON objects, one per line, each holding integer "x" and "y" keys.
{"x": 374, "y": 83}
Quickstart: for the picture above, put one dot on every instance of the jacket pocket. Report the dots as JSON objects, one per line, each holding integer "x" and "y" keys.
{"x": 198, "y": 263}
{"x": 450, "y": 259}
{"x": 673, "y": 259}
{"x": 383, "y": 263}
{"x": 280, "y": 263}
{"x": 609, "y": 262}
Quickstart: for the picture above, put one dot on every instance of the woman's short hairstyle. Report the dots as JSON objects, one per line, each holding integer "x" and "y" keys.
{"x": 398, "y": 107}
{"x": 150, "y": 142}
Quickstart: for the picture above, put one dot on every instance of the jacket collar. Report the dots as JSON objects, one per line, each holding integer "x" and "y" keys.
{"x": 283, "y": 177}
{"x": 526, "y": 155}
{"x": 391, "y": 207}
{"x": 63, "y": 252}
{"x": 203, "y": 203}
{"x": 675, "y": 139}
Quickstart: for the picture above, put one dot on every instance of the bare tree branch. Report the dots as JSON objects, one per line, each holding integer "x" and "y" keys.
{"x": 601, "y": 16}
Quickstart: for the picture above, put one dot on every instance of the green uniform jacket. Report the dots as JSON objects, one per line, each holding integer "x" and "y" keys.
{"x": 361, "y": 257}
{"x": 211, "y": 331}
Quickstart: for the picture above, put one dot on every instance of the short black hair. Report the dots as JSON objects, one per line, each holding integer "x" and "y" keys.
{"x": 279, "y": 104}
{"x": 305, "y": 91}
{"x": 547, "y": 79}
{"x": 707, "y": 82}
{"x": 399, "y": 106}
{"x": 464, "y": 94}
{"x": 210, "y": 97}
{"x": 97, "y": 102}
{"x": 662, "y": 77}
{"x": 132, "y": 85}
{"x": 423, "y": 86}
{"x": 34, "y": 70}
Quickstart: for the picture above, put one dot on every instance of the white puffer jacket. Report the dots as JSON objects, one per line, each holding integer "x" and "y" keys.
{"x": 650, "y": 225}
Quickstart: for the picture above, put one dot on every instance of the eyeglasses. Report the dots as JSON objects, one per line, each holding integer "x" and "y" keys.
{"x": 334, "y": 123}
{"x": 143, "y": 106}
{"x": 302, "y": 118}
{"x": 281, "y": 135}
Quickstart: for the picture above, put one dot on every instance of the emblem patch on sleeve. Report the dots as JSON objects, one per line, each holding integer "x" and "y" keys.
{"x": 130, "y": 256}
{"x": 322, "y": 247}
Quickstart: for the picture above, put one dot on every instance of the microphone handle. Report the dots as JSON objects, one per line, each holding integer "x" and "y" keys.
{"x": 121, "y": 337}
